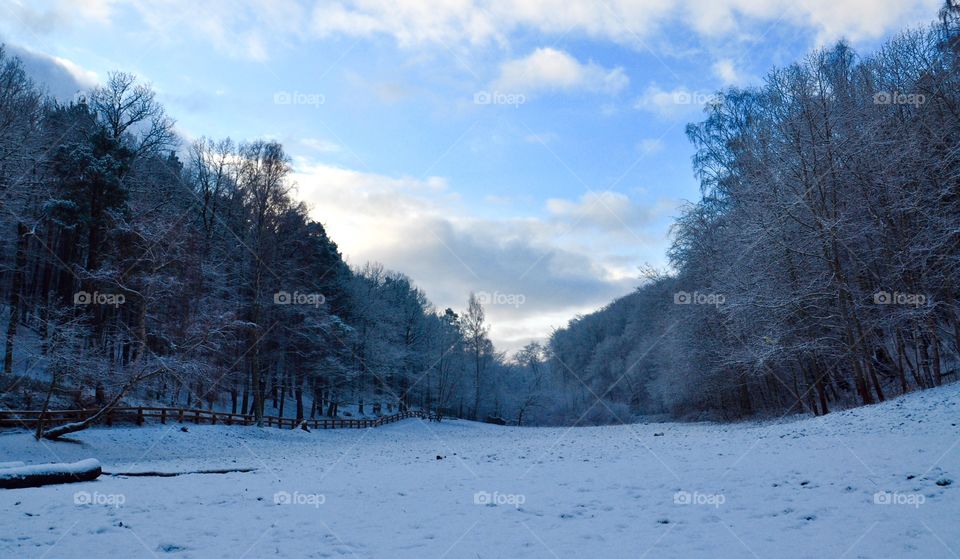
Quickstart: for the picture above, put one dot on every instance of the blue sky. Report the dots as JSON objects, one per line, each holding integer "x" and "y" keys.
{"x": 530, "y": 150}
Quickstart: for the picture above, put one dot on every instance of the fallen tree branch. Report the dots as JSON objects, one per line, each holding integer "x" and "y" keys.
{"x": 68, "y": 428}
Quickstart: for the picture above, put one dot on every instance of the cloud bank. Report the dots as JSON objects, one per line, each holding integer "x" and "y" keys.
{"x": 560, "y": 263}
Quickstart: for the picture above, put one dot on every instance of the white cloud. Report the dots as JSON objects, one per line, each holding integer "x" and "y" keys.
{"x": 596, "y": 207}
{"x": 84, "y": 77}
{"x": 609, "y": 211}
{"x": 725, "y": 70}
{"x": 562, "y": 264}
{"x": 63, "y": 78}
{"x": 253, "y": 28}
{"x": 731, "y": 75}
{"x": 549, "y": 69}
{"x": 629, "y": 22}
{"x": 854, "y": 19}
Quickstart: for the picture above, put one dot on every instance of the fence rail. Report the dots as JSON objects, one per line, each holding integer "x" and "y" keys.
{"x": 139, "y": 415}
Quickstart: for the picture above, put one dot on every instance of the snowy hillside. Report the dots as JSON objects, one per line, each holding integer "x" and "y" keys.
{"x": 879, "y": 481}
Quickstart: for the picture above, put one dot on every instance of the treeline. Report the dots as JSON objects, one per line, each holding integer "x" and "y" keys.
{"x": 134, "y": 267}
{"x": 821, "y": 266}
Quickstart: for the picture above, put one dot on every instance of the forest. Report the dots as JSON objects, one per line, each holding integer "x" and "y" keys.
{"x": 139, "y": 267}
{"x": 820, "y": 268}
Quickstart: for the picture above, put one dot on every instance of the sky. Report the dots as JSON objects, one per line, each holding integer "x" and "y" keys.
{"x": 530, "y": 151}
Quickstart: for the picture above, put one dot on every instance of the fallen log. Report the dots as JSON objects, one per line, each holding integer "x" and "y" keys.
{"x": 47, "y": 474}
{"x": 174, "y": 474}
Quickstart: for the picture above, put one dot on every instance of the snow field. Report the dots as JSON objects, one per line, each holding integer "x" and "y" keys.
{"x": 879, "y": 481}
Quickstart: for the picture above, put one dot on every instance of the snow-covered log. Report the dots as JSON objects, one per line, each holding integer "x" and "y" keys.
{"x": 47, "y": 474}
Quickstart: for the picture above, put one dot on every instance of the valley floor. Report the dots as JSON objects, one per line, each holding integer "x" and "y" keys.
{"x": 880, "y": 481}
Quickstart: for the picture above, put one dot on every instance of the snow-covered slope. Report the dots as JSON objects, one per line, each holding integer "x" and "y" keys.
{"x": 880, "y": 481}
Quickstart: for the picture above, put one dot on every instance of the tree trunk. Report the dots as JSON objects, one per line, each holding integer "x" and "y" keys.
{"x": 20, "y": 260}
{"x": 38, "y": 433}
{"x": 298, "y": 393}
{"x": 935, "y": 342}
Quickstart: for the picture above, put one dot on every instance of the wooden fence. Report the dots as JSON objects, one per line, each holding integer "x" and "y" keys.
{"x": 139, "y": 415}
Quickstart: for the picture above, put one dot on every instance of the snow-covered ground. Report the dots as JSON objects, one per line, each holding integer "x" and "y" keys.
{"x": 861, "y": 483}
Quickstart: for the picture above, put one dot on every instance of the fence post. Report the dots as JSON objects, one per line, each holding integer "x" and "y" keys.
{"x": 163, "y": 416}
{"x": 140, "y": 416}
{"x": 196, "y": 417}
